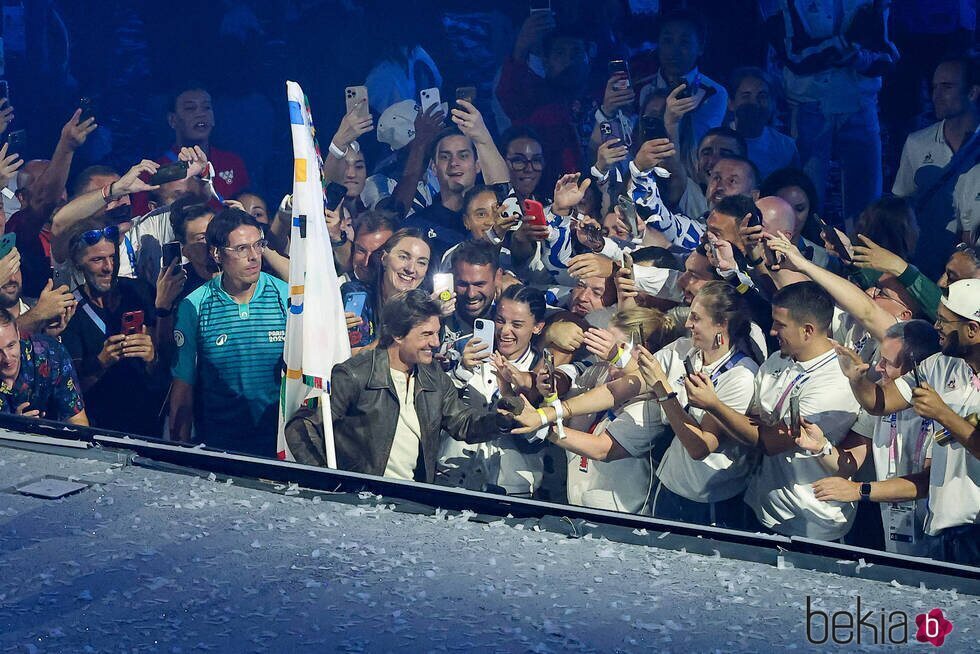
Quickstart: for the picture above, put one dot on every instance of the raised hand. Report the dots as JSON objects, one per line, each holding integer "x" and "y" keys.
{"x": 811, "y": 437}
{"x": 869, "y": 254}
{"x": 792, "y": 258}
{"x": 677, "y": 108}
{"x": 131, "y": 182}
{"x": 9, "y": 266}
{"x": 601, "y": 343}
{"x": 427, "y": 126}
{"x": 197, "y": 161}
{"x": 614, "y": 99}
{"x": 170, "y": 282}
{"x": 9, "y": 165}
{"x": 138, "y": 346}
{"x": 470, "y": 122}
{"x": 850, "y": 363}
{"x": 654, "y": 152}
{"x": 6, "y": 114}
{"x": 609, "y": 154}
{"x": 475, "y": 353}
{"x": 52, "y": 302}
{"x": 353, "y": 125}
{"x": 590, "y": 265}
{"x": 569, "y": 192}
{"x": 74, "y": 133}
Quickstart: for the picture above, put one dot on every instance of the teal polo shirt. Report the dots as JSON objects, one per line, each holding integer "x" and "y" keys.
{"x": 231, "y": 353}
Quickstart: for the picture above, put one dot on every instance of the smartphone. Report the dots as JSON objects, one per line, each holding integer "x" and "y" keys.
{"x": 771, "y": 259}
{"x": 442, "y": 285}
{"x": 540, "y": 6}
{"x": 483, "y": 330}
{"x": 834, "y": 239}
{"x": 121, "y": 214}
{"x": 755, "y": 219}
{"x": 169, "y": 173}
{"x": 688, "y": 367}
{"x": 430, "y": 98}
{"x": 651, "y": 128}
{"x": 691, "y": 88}
{"x": 794, "y": 415}
{"x": 132, "y": 323}
{"x": 334, "y": 195}
{"x": 355, "y": 94}
{"x": 354, "y": 302}
{"x": 627, "y": 208}
{"x": 535, "y": 210}
{"x": 171, "y": 253}
{"x": 4, "y": 90}
{"x": 467, "y": 93}
{"x": 628, "y": 263}
{"x": 509, "y": 204}
{"x": 7, "y": 243}
{"x": 606, "y": 133}
{"x": 87, "y": 105}
{"x": 915, "y": 370}
{"x": 619, "y": 68}
{"x": 16, "y": 141}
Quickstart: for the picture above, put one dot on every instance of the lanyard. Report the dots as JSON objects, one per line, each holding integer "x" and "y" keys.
{"x": 732, "y": 359}
{"x": 921, "y": 444}
{"x": 801, "y": 379}
{"x": 87, "y": 308}
{"x": 130, "y": 252}
{"x": 918, "y": 455}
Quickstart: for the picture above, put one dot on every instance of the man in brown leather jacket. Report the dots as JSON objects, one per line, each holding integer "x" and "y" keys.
{"x": 390, "y": 404}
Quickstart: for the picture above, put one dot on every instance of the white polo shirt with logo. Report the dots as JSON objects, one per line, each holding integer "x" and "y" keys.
{"x": 780, "y": 492}
{"x": 954, "y": 476}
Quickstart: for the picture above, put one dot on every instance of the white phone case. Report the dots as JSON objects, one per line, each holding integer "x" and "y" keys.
{"x": 430, "y": 98}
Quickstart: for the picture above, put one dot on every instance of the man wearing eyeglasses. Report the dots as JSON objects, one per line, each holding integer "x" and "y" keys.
{"x": 229, "y": 335}
{"x": 946, "y": 391}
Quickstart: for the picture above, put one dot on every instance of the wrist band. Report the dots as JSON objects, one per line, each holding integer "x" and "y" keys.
{"x": 542, "y": 433}
{"x": 559, "y": 414}
{"x": 336, "y": 151}
{"x": 623, "y": 357}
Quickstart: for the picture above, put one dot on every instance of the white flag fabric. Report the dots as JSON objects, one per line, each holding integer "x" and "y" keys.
{"x": 316, "y": 332}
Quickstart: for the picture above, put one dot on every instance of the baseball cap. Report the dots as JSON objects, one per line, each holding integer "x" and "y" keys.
{"x": 396, "y": 127}
{"x": 963, "y": 299}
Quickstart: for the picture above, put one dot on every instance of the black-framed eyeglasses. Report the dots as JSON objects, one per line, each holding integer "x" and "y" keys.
{"x": 521, "y": 163}
{"x": 944, "y": 321}
{"x": 241, "y": 251}
{"x": 93, "y": 236}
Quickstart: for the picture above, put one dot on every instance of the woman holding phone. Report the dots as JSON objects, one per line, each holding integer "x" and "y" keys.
{"x": 487, "y": 370}
{"x": 403, "y": 266}
{"x": 704, "y": 472}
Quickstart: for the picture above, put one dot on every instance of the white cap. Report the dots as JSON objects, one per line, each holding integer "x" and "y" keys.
{"x": 396, "y": 127}
{"x": 963, "y": 299}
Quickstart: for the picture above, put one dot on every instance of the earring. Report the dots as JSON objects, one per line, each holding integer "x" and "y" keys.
{"x": 719, "y": 340}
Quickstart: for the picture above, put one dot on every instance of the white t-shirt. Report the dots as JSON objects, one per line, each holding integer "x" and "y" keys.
{"x": 899, "y": 446}
{"x": 498, "y": 462}
{"x": 724, "y": 473}
{"x": 408, "y": 434}
{"x": 850, "y": 333}
{"x": 622, "y": 485}
{"x": 966, "y": 199}
{"x": 926, "y": 147}
{"x": 954, "y": 477}
{"x": 780, "y": 491}
{"x": 147, "y": 237}
{"x": 771, "y": 151}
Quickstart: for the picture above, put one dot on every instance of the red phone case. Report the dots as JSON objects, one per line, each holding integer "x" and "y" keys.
{"x": 132, "y": 322}
{"x": 535, "y": 210}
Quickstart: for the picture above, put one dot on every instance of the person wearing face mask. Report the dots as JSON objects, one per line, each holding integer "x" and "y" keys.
{"x": 484, "y": 373}
{"x": 946, "y": 390}
{"x": 548, "y": 102}
{"x": 751, "y": 102}
{"x": 610, "y": 454}
{"x": 391, "y": 405}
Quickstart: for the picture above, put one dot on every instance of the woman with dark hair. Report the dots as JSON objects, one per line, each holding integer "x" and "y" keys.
{"x": 525, "y": 160}
{"x": 890, "y": 223}
{"x": 402, "y": 265}
{"x": 487, "y": 370}
{"x": 794, "y": 186}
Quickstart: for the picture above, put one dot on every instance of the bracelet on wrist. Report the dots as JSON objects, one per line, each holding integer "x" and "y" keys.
{"x": 336, "y": 151}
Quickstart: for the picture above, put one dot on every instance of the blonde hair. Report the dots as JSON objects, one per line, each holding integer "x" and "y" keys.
{"x": 654, "y": 328}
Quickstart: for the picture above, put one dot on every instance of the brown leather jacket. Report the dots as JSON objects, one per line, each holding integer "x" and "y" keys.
{"x": 365, "y": 411}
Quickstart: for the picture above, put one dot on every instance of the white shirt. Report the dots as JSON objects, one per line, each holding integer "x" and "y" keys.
{"x": 622, "y": 485}
{"x": 724, "y": 473}
{"x": 899, "y": 446}
{"x": 408, "y": 435}
{"x": 954, "y": 477}
{"x": 498, "y": 462}
{"x": 966, "y": 199}
{"x": 850, "y": 333}
{"x": 780, "y": 491}
{"x": 925, "y": 147}
{"x": 771, "y": 151}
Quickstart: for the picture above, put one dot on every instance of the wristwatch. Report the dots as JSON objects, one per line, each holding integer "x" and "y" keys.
{"x": 669, "y": 396}
{"x": 866, "y": 492}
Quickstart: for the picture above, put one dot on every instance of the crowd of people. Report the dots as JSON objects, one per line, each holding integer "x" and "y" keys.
{"x": 627, "y": 299}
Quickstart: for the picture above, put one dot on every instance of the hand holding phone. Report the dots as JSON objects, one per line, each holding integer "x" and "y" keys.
{"x": 132, "y": 323}
{"x": 171, "y": 253}
{"x": 169, "y": 173}
{"x": 429, "y": 98}
{"x": 356, "y": 97}
{"x": 535, "y": 210}
{"x": 442, "y": 285}
{"x": 467, "y": 93}
{"x": 334, "y": 195}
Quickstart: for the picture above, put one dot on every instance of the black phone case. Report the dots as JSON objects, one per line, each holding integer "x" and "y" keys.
{"x": 169, "y": 173}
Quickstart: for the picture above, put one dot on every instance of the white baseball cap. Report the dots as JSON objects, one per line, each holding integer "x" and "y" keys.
{"x": 963, "y": 299}
{"x": 396, "y": 127}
